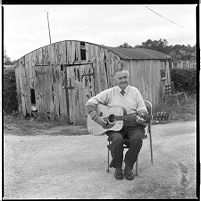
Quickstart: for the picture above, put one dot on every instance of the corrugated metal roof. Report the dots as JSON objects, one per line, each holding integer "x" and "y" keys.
{"x": 138, "y": 53}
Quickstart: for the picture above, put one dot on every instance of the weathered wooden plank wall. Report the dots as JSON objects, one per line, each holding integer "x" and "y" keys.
{"x": 49, "y": 92}
{"x": 70, "y": 93}
{"x": 145, "y": 75}
{"x": 19, "y": 97}
{"x": 22, "y": 83}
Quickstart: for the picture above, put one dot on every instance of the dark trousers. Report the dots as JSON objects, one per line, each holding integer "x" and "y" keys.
{"x": 133, "y": 135}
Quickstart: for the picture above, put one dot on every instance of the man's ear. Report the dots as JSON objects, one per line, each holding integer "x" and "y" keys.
{"x": 114, "y": 79}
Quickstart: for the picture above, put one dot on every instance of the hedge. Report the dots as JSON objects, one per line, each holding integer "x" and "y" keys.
{"x": 10, "y": 103}
{"x": 184, "y": 79}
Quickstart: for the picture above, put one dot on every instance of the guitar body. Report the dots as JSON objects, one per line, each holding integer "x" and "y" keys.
{"x": 109, "y": 113}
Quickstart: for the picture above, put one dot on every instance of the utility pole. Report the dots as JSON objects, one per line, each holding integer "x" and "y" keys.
{"x": 48, "y": 27}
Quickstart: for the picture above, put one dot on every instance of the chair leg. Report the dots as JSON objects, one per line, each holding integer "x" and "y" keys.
{"x": 150, "y": 139}
{"x": 108, "y": 159}
{"x": 136, "y": 164}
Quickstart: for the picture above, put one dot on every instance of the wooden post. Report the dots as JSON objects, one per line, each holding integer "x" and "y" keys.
{"x": 67, "y": 96}
{"x": 48, "y": 27}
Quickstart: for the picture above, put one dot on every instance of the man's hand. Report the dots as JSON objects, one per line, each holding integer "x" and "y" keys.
{"x": 140, "y": 120}
{"x": 96, "y": 118}
{"x": 100, "y": 120}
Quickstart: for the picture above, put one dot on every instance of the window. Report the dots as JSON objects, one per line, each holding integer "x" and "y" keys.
{"x": 82, "y": 44}
{"x": 83, "y": 54}
{"x": 163, "y": 74}
{"x": 82, "y": 51}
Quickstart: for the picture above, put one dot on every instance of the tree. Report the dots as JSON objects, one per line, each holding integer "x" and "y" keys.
{"x": 10, "y": 102}
{"x": 158, "y": 45}
{"x": 126, "y": 45}
{"x": 6, "y": 59}
{"x": 177, "y": 52}
{"x": 9, "y": 87}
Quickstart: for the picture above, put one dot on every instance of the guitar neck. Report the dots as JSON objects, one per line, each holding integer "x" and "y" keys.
{"x": 119, "y": 118}
{"x": 132, "y": 117}
{"x": 124, "y": 116}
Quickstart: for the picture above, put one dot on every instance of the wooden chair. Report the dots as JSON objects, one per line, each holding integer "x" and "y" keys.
{"x": 171, "y": 93}
{"x": 147, "y": 134}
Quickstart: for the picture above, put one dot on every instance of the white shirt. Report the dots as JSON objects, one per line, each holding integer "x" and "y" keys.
{"x": 132, "y": 100}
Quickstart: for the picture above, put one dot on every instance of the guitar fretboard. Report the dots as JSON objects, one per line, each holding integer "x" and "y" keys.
{"x": 134, "y": 116}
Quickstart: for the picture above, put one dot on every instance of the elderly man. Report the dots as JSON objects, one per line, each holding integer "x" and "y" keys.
{"x": 131, "y": 100}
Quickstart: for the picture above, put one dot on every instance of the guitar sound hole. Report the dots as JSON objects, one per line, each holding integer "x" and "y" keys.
{"x": 111, "y": 118}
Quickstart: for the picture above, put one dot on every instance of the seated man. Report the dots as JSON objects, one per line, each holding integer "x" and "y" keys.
{"x": 131, "y": 100}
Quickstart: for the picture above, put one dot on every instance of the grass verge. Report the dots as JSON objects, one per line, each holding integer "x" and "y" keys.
{"x": 186, "y": 111}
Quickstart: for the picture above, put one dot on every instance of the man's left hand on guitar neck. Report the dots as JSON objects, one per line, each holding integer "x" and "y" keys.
{"x": 140, "y": 120}
{"x": 140, "y": 116}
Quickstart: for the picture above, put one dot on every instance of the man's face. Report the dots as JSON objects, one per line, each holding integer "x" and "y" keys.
{"x": 122, "y": 79}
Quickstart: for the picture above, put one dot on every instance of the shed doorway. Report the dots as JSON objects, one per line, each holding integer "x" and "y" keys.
{"x": 50, "y": 92}
{"x": 43, "y": 91}
{"x": 79, "y": 88}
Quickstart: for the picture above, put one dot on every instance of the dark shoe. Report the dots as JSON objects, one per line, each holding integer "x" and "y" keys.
{"x": 118, "y": 174}
{"x": 128, "y": 174}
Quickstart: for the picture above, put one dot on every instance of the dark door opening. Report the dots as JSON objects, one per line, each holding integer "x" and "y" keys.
{"x": 33, "y": 97}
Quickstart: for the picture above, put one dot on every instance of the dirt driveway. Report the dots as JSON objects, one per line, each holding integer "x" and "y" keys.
{"x": 57, "y": 166}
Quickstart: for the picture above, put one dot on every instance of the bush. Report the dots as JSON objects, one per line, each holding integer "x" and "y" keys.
{"x": 186, "y": 111}
{"x": 10, "y": 103}
{"x": 184, "y": 79}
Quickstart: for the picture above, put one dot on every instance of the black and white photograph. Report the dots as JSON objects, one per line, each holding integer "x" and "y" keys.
{"x": 99, "y": 101}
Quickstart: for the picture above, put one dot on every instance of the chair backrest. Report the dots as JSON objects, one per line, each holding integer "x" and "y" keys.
{"x": 149, "y": 106}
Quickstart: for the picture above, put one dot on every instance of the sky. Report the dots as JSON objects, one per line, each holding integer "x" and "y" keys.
{"x": 26, "y": 27}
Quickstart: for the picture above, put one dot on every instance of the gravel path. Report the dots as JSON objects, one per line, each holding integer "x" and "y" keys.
{"x": 59, "y": 166}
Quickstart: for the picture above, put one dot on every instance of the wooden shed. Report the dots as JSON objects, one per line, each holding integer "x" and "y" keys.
{"x": 59, "y": 78}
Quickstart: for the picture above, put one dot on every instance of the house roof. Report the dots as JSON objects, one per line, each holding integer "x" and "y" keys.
{"x": 138, "y": 53}
{"x": 126, "y": 53}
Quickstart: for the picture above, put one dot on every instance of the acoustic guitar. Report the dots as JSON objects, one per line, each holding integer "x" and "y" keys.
{"x": 114, "y": 116}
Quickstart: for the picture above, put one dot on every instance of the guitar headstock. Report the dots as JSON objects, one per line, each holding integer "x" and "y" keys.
{"x": 161, "y": 116}
{"x": 158, "y": 117}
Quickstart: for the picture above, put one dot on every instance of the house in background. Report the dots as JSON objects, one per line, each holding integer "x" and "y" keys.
{"x": 59, "y": 78}
{"x": 185, "y": 63}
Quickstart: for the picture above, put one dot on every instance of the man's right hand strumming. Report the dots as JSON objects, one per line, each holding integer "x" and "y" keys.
{"x": 96, "y": 118}
{"x": 100, "y": 120}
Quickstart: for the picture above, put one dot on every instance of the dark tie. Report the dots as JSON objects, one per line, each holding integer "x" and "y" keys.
{"x": 122, "y": 92}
